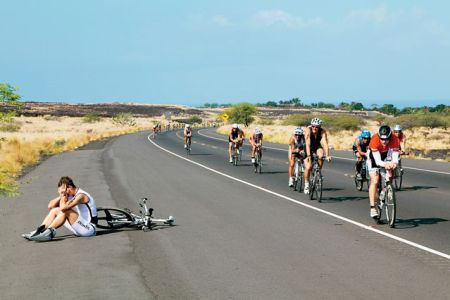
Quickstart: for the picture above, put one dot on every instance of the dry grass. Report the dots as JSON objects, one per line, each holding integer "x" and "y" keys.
{"x": 39, "y": 136}
{"x": 418, "y": 138}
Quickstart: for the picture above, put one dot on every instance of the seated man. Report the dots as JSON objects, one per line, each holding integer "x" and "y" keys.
{"x": 296, "y": 150}
{"x": 256, "y": 140}
{"x": 360, "y": 150}
{"x": 73, "y": 208}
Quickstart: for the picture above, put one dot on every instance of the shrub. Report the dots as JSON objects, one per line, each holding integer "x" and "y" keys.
{"x": 430, "y": 120}
{"x": 195, "y": 119}
{"x": 124, "y": 119}
{"x": 91, "y": 118}
{"x": 51, "y": 118}
{"x": 265, "y": 121}
{"x": 10, "y": 126}
{"x": 331, "y": 122}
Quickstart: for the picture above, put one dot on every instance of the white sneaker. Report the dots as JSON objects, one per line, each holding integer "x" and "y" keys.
{"x": 231, "y": 160}
{"x": 306, "y": 189}
{"x": 253, "y": 160}
{"x": 373, "y": 213}
{"x": 291, "y": 181}
{"x": 185, "y": 146}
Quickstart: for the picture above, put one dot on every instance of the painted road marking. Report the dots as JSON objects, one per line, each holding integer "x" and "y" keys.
{"x": 402, "y": 240}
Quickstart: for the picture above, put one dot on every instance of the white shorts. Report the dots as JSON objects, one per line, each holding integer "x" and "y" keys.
{"x": 81, "y": 227}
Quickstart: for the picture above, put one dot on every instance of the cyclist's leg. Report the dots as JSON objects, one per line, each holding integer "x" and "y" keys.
{"x": 253, "y": 151}
{"x": 320, "y": 153}
{"x": 230, "y": 144}
{"x": 374, "y": 178}
{"x": 78, "y": 225}
{"x": 291, "y": 157}
{"x": 308, "y": 167}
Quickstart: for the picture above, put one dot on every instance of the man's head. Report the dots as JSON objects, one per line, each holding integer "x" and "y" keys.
{"x": 365, "y": 135}
{"x": 397, "y": 130}
{"x": 66, "y": 186}
{"x": 385, "y": 134}
{"x": 234, "y": 127}
{"x": 315, "y": 124}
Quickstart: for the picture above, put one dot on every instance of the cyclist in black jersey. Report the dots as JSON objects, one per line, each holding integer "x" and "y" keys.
{"x": 314, "y": 136}
{"x": 233, "y": 138}
{"x": 296, "y": 149}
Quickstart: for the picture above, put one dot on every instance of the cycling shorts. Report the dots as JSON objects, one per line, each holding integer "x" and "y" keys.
{"x": 81, "y": 227}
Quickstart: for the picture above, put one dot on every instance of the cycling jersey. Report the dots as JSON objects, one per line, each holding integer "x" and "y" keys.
{"x": 257, "y": 138}
{"x": 299, "y": 142}
{"x": 87, "y": 216}
{"x": 315, "y": 140}
{"x": 186, "y": 132}
{"x": 233, "y": 135}
{"x": 361, "y": 144}
{"x": 379, "y": 152}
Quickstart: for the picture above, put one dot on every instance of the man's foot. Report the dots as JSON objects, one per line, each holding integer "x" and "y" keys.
{"x": 185, "y": 146}
{"x": 306, "y": 189}
{"x": 253, "y": 160}
{"x": 47, "y": 235}
{"x": 373, "y": 212}
{"x": 38, "y": 230}
{"x": 28, "y": 235}
{"x": 231, "y": 160}
{"x": 291, "y": 181}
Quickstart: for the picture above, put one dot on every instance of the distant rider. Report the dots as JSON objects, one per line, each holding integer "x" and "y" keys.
{"x": 360, "y": 147}
{"x": 256, "y": 140}
{"x": 233, "y": 138}
{"x": 383, "y": 153}
{"x": 297, "y": 145}
{"x": 313, "y": 136}
{"x": 187, "y": 135}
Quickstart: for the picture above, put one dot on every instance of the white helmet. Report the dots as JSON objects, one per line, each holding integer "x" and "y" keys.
{"x": 235, "y": 125}
{"x": 397, "y": 128}
{"x": 316, "y": 122}
{"x": 298, "y": 131}
{"x": 188, "y": 125}
{"x": 257, "y": 131}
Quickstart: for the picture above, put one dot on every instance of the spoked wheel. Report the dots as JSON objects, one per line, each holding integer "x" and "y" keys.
{"x": 359, "y": 184}
{"x": 113, "y": 218}
{"x": 390, "y": 206}
{"x": 318, "y": 189}
{"x": 235, "y": 159}
{"x": 299, "y": 185}
{"x": 259, "y": 163}
{"x": 398, "y": 179}
{"x": 312, "y": 187}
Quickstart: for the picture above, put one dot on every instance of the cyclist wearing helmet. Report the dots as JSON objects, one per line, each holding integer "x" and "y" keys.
{"x": 296, "y": 149}
{"x": 313, "y": 136}
{"x": 256, "y": 140}
{"x": 187, "y": 135}
{"x": 402, "y": 138}
{"x": 233, "y": 138}
{"x": 360, "y": 150}
{"x": 383, "y": 146}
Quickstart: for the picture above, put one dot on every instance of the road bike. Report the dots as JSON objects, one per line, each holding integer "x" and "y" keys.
{"x": 115, "y": 218}
{"x": 299, "y": 174}
{"x": 398, "y": 175}
{"x": 359, "y": 182}
{"x": 386, "y": 201}
{"x": 188, "y": 147}
{"x": 316, "y": 180}
{"x": 234, "y": 154}
{"x": 258, "y": 159}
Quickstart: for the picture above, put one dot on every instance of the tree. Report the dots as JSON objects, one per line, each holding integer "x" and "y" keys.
{"x": 242, "y": 113}
{"x": 9, "y": 97}
{"x": 356, "y": 106}
{"x": 389, "y": 109}
{"x": 194, "y": 119}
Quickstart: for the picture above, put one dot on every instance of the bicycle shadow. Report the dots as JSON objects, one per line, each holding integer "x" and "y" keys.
{"x": 199, "y": 154}
{"x": 343, "y": 198}
{"x": 416, "y": 222}
{"x": 331, "y": 189}
{"x": 417, "y": 187}
{"x": 275, "y": 172}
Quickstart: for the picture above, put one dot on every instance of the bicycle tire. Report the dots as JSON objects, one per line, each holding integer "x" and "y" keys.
{"x": 113, "y": 218}
{"x": 390, "y": 204}
{"x": 319, "y": 186}
{"x": 359, "y": 184}
{"x": 398, "y": 178}
{"x": 312, "y": 186}
{"x": 300, "y": 181}
{"x": 259, "y": 163}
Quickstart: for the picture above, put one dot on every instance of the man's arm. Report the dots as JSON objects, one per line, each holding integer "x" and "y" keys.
{"x": 358, "y": 147}
{"x": 307, "y": 143}
{"x": 325, "y": 141}
{"x": 66, "y": 205}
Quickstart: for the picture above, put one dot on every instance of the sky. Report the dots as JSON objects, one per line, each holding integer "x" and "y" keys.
{"x": 198, "y": 51}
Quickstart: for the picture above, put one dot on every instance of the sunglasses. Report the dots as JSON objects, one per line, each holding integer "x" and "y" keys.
{"x": 384, "y": 140}
{"x": 314, "y": 126}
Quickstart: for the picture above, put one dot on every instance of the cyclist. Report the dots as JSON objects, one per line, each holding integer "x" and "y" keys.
{"x": 360, "y": 150}
{"x": 383, "y": 152}
{"x": 233, "y": 138}
{"x": 313, "y": 137}
{"x": 256, "y": 140}
{"x": 241, "y": 137}
{"x": 297, "y": 146}
{"x": 187, "y": 135}
{"x": 73, "y": 208}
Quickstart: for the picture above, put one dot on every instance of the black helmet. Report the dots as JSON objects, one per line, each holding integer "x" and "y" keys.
{"x": 384, "y": 132}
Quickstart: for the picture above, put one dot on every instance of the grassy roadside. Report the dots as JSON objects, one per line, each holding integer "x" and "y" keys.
{"x": 40, "y": 136}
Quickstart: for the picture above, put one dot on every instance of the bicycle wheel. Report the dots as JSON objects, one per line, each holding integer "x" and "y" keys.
{"x": 300, "y": 181}
{"x": 398, "y": 178}
{"x": 259, "y": 165}
{"x": 358, "y": 183}
{"x": 113, "y": 218}
{"x": 312, "y": 186}
{"x": 319, "y": 186}
{"x": 235, "y": 158}
{"x": 390, "y": 205}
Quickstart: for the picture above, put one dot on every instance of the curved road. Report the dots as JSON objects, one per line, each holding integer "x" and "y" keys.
{"x": 240, "y": 235}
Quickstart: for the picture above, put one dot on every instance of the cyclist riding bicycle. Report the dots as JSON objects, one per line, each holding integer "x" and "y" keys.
{"x": 360, "y": 150}
{"x": 383, "y": 153}
{"x": 398, "y": 132}
{"x": 233, "y": 138}
{"x": 187, "y": 135}
{"x": 241, "y": 136}
{"x": 297, "y": 146}
{"x": 313, "y": 137}
{"x": 256, "y": 140}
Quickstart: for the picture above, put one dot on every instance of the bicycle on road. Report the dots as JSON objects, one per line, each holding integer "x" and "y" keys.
{"x": 258, "y": 159}
{"x": 116, "y": 218}
{"x": 188, "y": 147}
{"x": 386, "y": 198}
{"x": 299, "y": 175}
{"x": 235, "y": 153}
{"x": 398, "y": 175}
{"x": 316, "y": 180}
{"x": 359, "y": 182}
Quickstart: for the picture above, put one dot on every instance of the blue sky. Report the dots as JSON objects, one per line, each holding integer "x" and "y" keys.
{"x": 192, "y": 52}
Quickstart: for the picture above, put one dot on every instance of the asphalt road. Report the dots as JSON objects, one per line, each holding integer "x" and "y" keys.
{"x": 239, "y": 235}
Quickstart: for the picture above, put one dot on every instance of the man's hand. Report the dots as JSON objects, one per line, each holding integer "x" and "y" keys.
{"x": 328, "y": 158}
{"x": 390, "y": 166}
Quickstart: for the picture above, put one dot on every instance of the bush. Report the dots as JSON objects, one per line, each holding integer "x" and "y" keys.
{"x": 91, "y": 118}
{"x": 195, "y": 119}
{"x": 10, "y": 126}
{"x": 51, "y": 118}
{"x": 331, "y": 122}
{"x": 124, "y": 119}
{"x": 430, "y": 120}
{"x": 265, "y": 121}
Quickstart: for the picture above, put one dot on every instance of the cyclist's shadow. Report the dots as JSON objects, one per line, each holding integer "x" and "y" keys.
{"x": 416, "y": 222}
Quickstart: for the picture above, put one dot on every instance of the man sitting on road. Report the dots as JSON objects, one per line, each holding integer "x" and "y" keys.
{"x": 296, "y": 150}
{"x": 383, "y": 153}
{"x": 233, "y": 138}
{"x": 73, "y": 208}
{"x": 256, "y": 140}
{"x": 360, "y": 150}
{"x": 313, "y": 137}
{"x": 187, "y": 135}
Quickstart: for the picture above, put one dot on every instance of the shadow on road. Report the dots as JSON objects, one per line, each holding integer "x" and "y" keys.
{"x": 343, "y": 198}
{"x": 411, "y": 223}
{"x": 275, "y": 172}
{"x": 195, "y": 154}
{"x": 417, "y": 187}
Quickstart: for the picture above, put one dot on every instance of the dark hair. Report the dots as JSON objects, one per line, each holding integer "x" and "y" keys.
{"x": 67, "y": 181}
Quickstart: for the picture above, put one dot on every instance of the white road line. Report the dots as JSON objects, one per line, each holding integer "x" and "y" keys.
{"x": 402, "y": 240}
{"x": 338, "y": 157}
